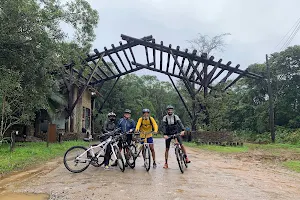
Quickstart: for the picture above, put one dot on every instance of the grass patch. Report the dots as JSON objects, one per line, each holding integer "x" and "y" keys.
{"x": 32, "y": 153}
{"x": 221, "y": 149}
{"x": 292, "y": 165}
{"x": 274, "y": 146}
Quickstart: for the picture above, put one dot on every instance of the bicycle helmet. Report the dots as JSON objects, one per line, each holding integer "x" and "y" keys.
{"x": 111, "y": 114}
{"x": 170, "y": 107}
{"x": 146, "y": 110}
{"x": 127, "y": 111}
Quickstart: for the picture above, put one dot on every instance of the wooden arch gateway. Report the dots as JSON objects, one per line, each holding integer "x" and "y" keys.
{"x": 198, "y": 73}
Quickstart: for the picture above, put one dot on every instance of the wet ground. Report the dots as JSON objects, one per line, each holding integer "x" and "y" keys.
{"x": 210, "y": 176}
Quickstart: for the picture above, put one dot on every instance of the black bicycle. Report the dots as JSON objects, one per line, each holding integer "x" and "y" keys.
{"x": 180, "y": 157}
{"x": 138, "y": 148}
{"x": 129, "y": 150}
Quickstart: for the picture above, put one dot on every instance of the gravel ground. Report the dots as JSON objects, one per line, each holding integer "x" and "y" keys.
{"x": 210, "y": 176}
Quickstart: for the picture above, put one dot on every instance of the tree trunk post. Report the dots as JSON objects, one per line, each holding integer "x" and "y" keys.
{"x": 271, "y": 103}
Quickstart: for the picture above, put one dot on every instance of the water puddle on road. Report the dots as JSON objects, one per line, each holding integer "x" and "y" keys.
{"x": 23, "y": 196}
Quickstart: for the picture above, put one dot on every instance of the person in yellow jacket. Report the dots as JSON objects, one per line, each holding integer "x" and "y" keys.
{"x": 146, "y": 125}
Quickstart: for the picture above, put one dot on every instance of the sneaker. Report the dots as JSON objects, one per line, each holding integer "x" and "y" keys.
{"x": 187, "y": 160}
{"x": 166, "y": 166}
{"x": 106, "y": 167}
{"x": 114, "y": 164}
{"x": 154, "y": 165}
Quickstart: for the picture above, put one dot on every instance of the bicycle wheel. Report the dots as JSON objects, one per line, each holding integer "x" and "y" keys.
{"x": 147, "y": 158}
{"x": 133, "y": 149}
{"x": 179, "y": 158}
{"x": 120, "y": 161}
{"x": 81, "y": 163}
{"x": 129, "y": 157}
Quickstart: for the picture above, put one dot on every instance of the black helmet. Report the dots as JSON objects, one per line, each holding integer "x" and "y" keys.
{"x": 111, "y": 114}
{"x": 146, "y": 110}
{"x": 127, "y": 111}
{"x": 170, "y": 107}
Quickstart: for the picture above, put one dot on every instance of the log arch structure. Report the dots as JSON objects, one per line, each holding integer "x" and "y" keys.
{"x": 198, "y": 73}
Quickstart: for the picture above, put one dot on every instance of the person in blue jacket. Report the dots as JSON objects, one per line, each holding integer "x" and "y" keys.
{"x": 127, "y": 125}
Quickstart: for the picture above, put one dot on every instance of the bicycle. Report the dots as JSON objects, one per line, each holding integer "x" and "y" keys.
{"x": 129, "y": 150}
{"x": 180, "y": 157}
{"x": 88, "y": 156}
{"x": 145, "y": 149}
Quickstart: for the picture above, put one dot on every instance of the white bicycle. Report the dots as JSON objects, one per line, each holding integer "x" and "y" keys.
{"x": 78, "y": 158}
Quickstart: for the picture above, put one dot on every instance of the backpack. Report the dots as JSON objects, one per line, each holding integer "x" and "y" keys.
{"x": 151, "y": 123}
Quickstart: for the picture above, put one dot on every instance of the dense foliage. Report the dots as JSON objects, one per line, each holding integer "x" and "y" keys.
{"x": 33, "y": 45}
{"x": 243, "y": 108}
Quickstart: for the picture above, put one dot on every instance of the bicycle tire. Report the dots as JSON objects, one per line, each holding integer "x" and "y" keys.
{"x": 133, "y": 148}
{"x": 179, "y": 159}
{"x": 65, "y": 160}
{"x": 120, "y": 161}
{"x": 147, "y": 157}
{"x": 128, "y": 154}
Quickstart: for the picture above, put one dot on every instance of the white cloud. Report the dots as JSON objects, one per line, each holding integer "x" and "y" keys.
{"x": 256, "y": 25}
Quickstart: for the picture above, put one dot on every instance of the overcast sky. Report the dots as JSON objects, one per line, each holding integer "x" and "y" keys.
{"x": 256, "y": 26}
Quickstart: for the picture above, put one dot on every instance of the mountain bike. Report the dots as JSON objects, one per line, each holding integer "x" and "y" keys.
{"x": 85, "y": 156}
{"x": 145, "y": 149}
{"x": 180, "y": 157}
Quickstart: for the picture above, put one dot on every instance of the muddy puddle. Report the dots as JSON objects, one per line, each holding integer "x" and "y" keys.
{"x": 23, "y": 196}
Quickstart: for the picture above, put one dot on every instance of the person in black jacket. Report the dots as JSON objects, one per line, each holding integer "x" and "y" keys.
{"x": 109, "y": 125}
{"x": 171, "y": 126}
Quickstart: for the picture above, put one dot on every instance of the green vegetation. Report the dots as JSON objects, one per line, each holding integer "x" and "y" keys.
{"x": 32, "y": 154}
{"x": 34, "y": 45}
{"x": 221, "y": 149}
{"x": 293, "y": 165}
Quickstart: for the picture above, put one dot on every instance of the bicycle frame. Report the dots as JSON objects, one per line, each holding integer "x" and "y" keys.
{"x": 102, "y": 145}
{"x": 145, "y": 145}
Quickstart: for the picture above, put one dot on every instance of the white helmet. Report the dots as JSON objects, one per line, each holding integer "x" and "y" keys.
{"x": 111, "y": 114}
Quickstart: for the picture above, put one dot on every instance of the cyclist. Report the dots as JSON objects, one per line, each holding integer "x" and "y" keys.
{"x": 146, "y": 124}
{"x": 171, "y": 122}
{"x": 127, "y": 125}
{"x": 109, "y": 125}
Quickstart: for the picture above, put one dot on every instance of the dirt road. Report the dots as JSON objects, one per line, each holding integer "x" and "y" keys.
{"x": 210, "y": 176}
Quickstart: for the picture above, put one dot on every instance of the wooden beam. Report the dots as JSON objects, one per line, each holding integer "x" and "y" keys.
{"x": 218, "y": 74}
{"x": 154, "y": 60}
{"x": 126, "y": 56}
{"x": 114, "y": 48}
{"x": 212, "y": 72}
{"x": 233, "y": 82}
{"x": 107, "y": 96}
{"x": 99, "y": 68}
{"x": 168, "y": 62}
{"x": 228, "y": 74}
{"x": 188, "y": 55}
{"x": 108, "y": 67}
{"x": 182, "y": 100}
{"x": 195, "y": 70}
{"x": 185, "y": 79}
{"x": 182, "y": 62}
{"x": 147, "y": 56}
{"x": 83, "y": 89}
{"x": 189, "y": 66}
{"x": 118, "y": 75}
{"x": 113, "y": 61}
{"x": 161, "y": 56}
{"x": 175, "y": 58}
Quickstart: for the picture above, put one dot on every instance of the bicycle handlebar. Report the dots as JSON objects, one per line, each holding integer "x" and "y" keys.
{"x": 174, "y": 136}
